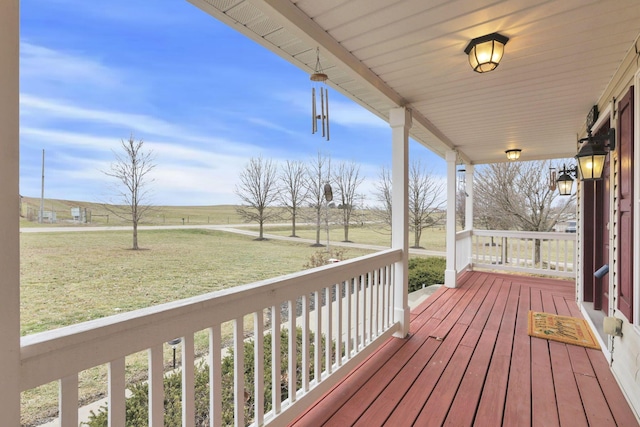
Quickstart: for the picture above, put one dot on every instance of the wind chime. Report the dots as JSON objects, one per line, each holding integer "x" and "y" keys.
{"x": 553, "y": 178}
{"x": 319, "y": 94}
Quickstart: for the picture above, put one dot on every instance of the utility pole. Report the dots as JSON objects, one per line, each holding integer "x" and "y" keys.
{"x": 41, "y": 216}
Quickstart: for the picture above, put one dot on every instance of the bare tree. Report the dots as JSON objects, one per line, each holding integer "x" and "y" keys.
{"x": 316, "y": 178}
{"x": 347, "y": 179}
{"x": 383, "y": 196}
{"x": 518, "y": 196}
{"x": 258, "y": 191}
{"x": 293, "y": 192}
{"x": 131, "y": 169}
{"x": 425, "y": 199}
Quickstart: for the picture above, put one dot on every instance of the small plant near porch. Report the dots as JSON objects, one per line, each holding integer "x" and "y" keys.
{"x": 138, "y": 403}
{"x": 425, "y": 272}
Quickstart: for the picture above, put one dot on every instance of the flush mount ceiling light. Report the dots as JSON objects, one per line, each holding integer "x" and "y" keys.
{"x": 486, "y": 52}
{"x": 513, "y": 154}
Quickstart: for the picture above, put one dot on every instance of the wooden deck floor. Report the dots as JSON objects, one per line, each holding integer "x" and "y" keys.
{"x": 469, "y": 361}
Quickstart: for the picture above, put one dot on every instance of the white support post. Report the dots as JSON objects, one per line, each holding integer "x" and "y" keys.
{"x": 468, "y": 208}
{"x": 9, "y": 205}
{"x": 468, "y": 212}
{"x": 450, "y": 271}
{"x": 400, "y": 121}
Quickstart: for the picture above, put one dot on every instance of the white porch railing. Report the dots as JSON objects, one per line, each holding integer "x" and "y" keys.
{"x": 356, "y": 297}
{"x": 548, "y": 253}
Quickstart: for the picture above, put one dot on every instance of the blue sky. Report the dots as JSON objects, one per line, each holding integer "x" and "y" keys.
{"x": 200, "y": 95}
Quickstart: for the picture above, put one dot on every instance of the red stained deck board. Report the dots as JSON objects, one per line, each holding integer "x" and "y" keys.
{"x": 481, "y": 316}
{"x": 544, "y": 406}
{"x": 612, "y": 393}
{"x": 491, "y": 408}
{"x": 445, "y": 381}
{"x": 595, "y": 405}
{"x": 342, "y": 392}
{"x": 415, "y": 394}
{"x": 437, "y": 407}
{"x": 464, "y": 304}
{"x": 472, "y": 344}
{"x": 364, "y": 394}
{"x": 570, "y": 410}
{"x": 517, "y": 410}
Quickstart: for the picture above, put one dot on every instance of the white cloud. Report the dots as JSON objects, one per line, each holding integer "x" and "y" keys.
{"x": 42, "y": 63}
{"x": 69, "y": 139}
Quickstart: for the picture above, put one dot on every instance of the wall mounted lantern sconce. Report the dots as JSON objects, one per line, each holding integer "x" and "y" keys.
{"x": 565, "y": 180}
{"x": 593, "y": 153}
{"x": 486, "y": 52}
{"x": 513, "y": 154}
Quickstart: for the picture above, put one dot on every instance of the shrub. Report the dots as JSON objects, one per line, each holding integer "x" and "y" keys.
{"x": 425, "y": 272}
{"x": 138, "y": 404}
{"x": 320, "y": 258}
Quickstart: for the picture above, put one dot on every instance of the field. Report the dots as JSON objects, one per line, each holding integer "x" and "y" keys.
{"x": 100, "y": 214}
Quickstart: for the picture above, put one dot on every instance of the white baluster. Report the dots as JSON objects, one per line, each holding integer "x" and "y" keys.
{"x": 258, "y": 357}
{"x": 188, "y": 393}
{"x": 156, "y": 386}
{"x": 215, "y": 376}
{"x": 69, "y": 401}
{"x": 116, "y": 391}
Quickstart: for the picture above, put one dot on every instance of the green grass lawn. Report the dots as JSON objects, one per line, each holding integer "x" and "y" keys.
{"x": 373, "y": 234}
{"x": 68, "y": 278}
{"x": 71, "y": 277}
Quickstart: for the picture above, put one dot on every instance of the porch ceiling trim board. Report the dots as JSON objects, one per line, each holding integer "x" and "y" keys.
{"x": 470, "y": 360}
{"x": 312, "y": 35}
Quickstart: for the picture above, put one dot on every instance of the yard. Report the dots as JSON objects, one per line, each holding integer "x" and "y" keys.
{"x": 71, "y": 277}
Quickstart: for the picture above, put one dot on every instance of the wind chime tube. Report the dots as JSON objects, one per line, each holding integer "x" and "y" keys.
{"x": 327, "y": 112}
{"x": 313, "y": 111}
{"x": 322, "y": 109}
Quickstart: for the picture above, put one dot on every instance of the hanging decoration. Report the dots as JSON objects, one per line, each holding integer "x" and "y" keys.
{"x": 319, "y": 98}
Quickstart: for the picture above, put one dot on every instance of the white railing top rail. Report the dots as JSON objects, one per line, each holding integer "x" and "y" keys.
{"x": 463, "y": 234}
{"x": 556, "y": 235}
{"x": 51, "y": 355}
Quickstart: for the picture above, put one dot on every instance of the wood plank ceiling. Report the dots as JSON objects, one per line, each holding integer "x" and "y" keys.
{"x": 385, "y": 53}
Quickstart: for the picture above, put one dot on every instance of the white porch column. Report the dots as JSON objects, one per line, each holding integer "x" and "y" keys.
{"x": 450, "y": 271}
{"x": 468, "y": 208}
{"x": 9, "y": 203}
{"x": 400, "y": 121}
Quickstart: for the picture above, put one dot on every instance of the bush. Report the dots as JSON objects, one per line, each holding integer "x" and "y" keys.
{"x": 137, "y": 405}
{"x": 320, "y": 258}
{"x": 426, "y": 272}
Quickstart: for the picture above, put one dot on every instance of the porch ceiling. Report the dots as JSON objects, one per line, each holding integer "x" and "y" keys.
{"x": 386, "y": 53}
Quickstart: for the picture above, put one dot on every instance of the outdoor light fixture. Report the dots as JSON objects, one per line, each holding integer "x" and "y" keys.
{"x": 513, "y": 154}
{"x": 565, "y": 180}
{"x": 593, "y": 153}
{"x": 486, "y": 52}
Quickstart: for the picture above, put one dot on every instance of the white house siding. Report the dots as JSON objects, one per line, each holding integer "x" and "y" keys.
{"x": 625, "y": 350}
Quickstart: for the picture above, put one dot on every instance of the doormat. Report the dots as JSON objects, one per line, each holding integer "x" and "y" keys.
{"x": 569, "y": 330}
